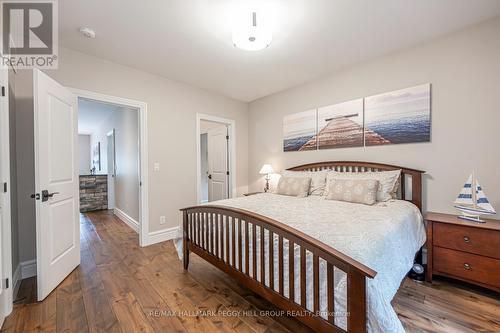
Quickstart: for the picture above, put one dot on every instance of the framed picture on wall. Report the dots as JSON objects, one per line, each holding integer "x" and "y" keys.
{"x": 96, "y": 156}
{"x": 299, "y": 131}
{"x": 401, "y": 116}
{"x": 341, "y": 125}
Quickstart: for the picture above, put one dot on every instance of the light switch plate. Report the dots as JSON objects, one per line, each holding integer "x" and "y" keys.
{"x": 156, "y": 166}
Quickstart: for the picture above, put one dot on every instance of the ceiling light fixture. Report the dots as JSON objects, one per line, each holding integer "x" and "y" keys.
{"x": 251, "y": 32}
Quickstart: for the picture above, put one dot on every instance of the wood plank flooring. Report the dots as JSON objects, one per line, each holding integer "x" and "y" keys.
{"x": 121, "y": 287}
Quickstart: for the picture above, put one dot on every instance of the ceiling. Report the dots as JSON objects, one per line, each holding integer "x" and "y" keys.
{"x": 190, "y": 40}
{"x": 92, "y": 114}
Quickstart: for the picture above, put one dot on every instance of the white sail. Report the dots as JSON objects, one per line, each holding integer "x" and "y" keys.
{"x": 465, "y": 195}
{"x": 481, "y": 200}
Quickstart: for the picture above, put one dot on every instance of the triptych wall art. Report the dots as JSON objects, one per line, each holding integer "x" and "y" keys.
{"x": 402, "y": 116}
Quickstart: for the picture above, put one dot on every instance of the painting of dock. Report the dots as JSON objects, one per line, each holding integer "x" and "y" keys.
{"x": 341, "y": 125}
{"x": 402, "y": 116}
{"x": 299, "y": 131}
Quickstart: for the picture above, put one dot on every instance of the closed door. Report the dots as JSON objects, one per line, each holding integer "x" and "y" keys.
{"x": 56, "y": 183}
{"x": 218, "y": 171}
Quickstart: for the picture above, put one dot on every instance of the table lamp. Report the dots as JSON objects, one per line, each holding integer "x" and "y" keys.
{"x": 267, "y": 170}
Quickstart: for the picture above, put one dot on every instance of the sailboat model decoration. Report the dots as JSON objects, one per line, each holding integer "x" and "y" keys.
{"x": 472, "y": 202}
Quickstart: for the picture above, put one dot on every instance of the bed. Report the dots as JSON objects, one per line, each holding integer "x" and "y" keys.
{"x": 348, "y": 259}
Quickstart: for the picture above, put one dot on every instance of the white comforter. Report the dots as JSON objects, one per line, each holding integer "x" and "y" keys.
{"x": 384, "y": 237}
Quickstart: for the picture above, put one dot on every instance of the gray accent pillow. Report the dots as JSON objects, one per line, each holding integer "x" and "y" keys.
{"x": 363, "y": 191}
{"x": 294, "y": 186}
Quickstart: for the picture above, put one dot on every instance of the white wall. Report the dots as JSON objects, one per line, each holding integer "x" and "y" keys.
{"x": 84, "y": 153}
{"x": 172, "y": 109}
{"x": 125, "y": 121}
{"x": 464, "y": 69}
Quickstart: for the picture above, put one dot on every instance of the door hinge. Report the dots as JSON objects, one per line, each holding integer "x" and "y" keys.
{"x": 3, "y": 91}
{"x": 4, "y": 187}
{"x": 227, "y": 173}
{"x": 227, "y": 137}
{"x": 6, "y": 284}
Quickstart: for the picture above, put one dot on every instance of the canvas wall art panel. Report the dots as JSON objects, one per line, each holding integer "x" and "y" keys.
{"x": 401, "y": 116}
{"x": 299, "y": 131}
{"x": 341, "y": 125}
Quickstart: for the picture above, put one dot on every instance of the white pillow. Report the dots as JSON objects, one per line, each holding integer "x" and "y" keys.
{"x": 387, "y": 181}
{"x": 318, "y": 179}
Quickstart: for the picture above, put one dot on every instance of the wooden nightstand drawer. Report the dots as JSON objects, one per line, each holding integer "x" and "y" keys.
{"x": 469, "y": 239}
{"x": 466, "y": 266}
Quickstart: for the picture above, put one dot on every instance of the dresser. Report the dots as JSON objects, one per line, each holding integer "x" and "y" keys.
{"x": 464, "y": 250}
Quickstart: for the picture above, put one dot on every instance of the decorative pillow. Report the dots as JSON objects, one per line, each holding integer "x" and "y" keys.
{"x": 387, "y": 181}
{"x": 294, "y": 186}
{"x": 363, "y": 191}
{"x": 318, "y": 179}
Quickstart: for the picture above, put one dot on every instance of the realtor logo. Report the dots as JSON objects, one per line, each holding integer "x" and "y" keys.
{"x": 29, "y": 34}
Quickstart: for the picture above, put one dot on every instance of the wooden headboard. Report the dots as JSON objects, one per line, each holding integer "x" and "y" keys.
{"x": 351, "y": 166}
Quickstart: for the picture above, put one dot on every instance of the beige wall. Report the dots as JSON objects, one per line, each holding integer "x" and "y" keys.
{"x": 84, "y": 153}
{"x": 464, "y": 69}
{"x": 172, "y": 109}
{"x": 24, "y": 175}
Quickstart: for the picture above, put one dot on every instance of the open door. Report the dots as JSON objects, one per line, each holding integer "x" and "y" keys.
{"x": 56, "y": 182}
{"x": 218, "y": 170}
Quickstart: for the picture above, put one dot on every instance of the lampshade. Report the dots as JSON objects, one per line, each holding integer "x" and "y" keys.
{"x": 266, "y": 169}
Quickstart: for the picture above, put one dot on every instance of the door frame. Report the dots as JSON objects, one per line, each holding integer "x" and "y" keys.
{"x": 231, "y": 124}
{"x": 6, "y": 246}
{"x": 144, "y": 238}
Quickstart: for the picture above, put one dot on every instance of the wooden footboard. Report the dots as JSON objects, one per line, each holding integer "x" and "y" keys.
{"x": 227, "y": 238}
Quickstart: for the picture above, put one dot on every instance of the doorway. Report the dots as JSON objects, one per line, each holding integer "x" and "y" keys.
{"x": 215, "y": 158}
{"x": 117, "y": 156}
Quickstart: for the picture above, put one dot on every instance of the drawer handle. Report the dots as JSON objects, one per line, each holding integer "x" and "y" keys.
{"x": 466, "y": 239}
{"x": 467, "y": 267}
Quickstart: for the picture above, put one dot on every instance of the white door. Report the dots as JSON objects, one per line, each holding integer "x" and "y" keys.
{"x": 218, "y": 170}
{"x": 111, "y": 168}
{"x": 56, "y": 182}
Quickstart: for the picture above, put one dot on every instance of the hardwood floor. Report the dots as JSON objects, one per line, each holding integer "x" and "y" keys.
{"x": 121, "y": 287}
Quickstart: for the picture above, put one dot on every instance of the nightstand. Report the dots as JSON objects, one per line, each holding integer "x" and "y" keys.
{"x": 251, "y": 193}
{"x": 463, "y": 250}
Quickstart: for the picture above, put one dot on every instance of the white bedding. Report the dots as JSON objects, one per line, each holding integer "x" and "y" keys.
{"x": 384, "y": 237}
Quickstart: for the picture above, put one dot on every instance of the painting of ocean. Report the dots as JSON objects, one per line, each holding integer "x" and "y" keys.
{"x": 341, "y": 125}
{"x": 402, "y": 116}
{"x": 299, "y": 131}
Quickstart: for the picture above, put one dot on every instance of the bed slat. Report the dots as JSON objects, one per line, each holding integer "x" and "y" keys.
{"x": 291, "y": 271}
{"x": 316, "y": 282}
{"x": 303, "y": 290}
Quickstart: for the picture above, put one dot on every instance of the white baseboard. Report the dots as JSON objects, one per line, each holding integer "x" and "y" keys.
{"x": 127, "y": 219}
{"x": 16, "y": 281}
{"x": 163, "y": 235}
{"x": 28, "y": 268}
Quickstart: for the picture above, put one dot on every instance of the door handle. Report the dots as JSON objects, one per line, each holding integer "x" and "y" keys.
{"x": 209, "y": 176}
{"x": 46, "y": 195}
